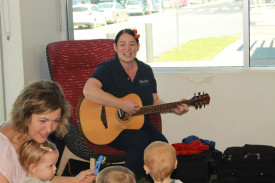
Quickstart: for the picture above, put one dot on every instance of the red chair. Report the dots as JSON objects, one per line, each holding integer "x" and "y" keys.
{"x": 71, "y": 63}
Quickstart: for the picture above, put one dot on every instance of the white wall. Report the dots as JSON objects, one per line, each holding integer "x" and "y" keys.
{"x": 241, "y": 107}
{"x": 2, "y": 106}
{"x": 41, "y": 25}
{"x": 32, "y": 25}
{"x": 12, "y": 50}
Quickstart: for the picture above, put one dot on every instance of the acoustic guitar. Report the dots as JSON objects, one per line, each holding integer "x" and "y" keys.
{"x": 102, "y": 124}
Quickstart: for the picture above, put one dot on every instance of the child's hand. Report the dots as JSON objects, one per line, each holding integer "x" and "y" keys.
{"x": 85, "y": 176}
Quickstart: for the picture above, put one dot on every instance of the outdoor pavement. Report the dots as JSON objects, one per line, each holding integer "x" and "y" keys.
{"x": 262, "y": 41}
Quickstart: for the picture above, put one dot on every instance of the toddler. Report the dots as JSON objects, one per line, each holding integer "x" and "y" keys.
{"x": 160, "y": 160}
{"x": 38, "y": 161}
{"x": 116, "y": 174}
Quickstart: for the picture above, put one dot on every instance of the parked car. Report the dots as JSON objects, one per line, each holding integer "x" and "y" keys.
{"x": 136, "y": 7}
{"x": 154, "y": 5}
{"x": 182, "y": 3}
{"x": 173, "y": 3}
{"x": 168, "y": 3}
{"x": 114, "y": 12}
{"x": 89, "y": 15}
{"x": 194, "y": 2}
{"x": 74, "y": 2}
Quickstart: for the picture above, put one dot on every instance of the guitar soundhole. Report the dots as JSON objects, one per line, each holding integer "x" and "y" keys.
{"x": 122, "y": 116}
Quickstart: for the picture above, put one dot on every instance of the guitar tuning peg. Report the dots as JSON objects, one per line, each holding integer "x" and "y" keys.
{"x": 199, "y": 93}
{"x": 196, "y": 107}
{"x": 194, "y": 94}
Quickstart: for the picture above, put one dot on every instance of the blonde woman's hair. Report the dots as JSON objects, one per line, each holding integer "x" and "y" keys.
{"x": 116, "y": 174}
{"x": 160, "y": 158}
{"x": 32, "y": 152}
{"x": 36, "y": 98}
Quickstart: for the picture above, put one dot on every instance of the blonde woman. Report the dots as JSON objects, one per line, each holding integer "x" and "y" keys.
{"x": 39, "y": 110}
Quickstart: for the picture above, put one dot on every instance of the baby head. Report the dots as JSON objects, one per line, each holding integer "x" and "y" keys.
{"x": 160, "y": 160}
{"x": 116, "y": 174}
{"x": 38, "y": 160}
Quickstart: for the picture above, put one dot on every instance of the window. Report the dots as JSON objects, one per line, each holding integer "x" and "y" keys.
{"x": 197, "y": 33}
{"x": 262, "y": 31}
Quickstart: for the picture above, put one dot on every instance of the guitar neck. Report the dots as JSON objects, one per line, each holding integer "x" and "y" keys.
{"x": 160, "y": 108}
{"x": 197, "y": 102}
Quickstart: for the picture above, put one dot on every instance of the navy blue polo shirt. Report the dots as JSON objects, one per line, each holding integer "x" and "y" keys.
{"x": 116, "y": 81}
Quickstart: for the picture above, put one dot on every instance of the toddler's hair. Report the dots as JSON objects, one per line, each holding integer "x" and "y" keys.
{"x": 160, "y": 159}
{"x": 32, "y": 152}
{"x": 116, "y": 174}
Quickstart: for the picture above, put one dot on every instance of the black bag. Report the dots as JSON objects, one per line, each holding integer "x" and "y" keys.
{"x": 197, "y": 168}
{"x": 247, "y": 164}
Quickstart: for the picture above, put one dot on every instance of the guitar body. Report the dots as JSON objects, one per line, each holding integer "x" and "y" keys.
{"x": 102, "y": 124}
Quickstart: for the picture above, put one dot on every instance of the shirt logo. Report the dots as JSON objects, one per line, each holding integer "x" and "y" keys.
{"x": 144, "y": 82}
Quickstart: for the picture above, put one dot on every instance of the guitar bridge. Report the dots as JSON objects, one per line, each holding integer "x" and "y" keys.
{"x": 103, "y": 117}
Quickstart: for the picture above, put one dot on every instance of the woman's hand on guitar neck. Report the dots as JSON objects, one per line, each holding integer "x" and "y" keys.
{"x": 129, "y": 106}
{"x": 181, "y": 109}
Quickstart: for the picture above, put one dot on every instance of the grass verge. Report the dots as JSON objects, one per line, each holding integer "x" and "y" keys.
{"x": 204, "y": 49}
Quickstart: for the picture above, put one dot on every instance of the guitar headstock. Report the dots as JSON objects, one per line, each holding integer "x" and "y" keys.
{"x": 199, "y": 100}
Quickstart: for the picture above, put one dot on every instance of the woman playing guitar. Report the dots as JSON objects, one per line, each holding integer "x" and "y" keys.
{"x": 118, "y": 77}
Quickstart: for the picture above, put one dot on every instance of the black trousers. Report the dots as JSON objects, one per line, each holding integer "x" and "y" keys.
{"x": 134, "y": 142}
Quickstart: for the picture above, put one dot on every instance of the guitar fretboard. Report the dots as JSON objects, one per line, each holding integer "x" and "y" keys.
{"x": 160, "y": 108}
{"x": 196, "y": 101}
{"x": 157, "y": 108}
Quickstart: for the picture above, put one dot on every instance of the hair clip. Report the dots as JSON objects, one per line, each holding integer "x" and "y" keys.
{"x": 46, "y": 148}
{"x": 136, "y": 35}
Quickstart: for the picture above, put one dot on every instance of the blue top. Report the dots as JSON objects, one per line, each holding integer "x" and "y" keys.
{"x": 116, "y": 81}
